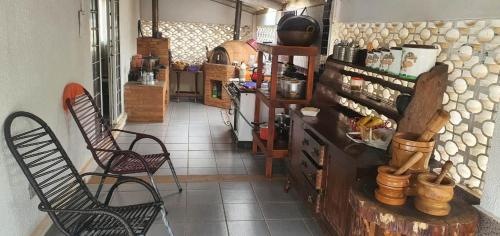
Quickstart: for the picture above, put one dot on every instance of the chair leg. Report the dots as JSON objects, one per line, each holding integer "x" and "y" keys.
{"x": 101, "y": 183}
{"x": 163, "y": 209}
{"x": 174, "y": 174}
{"x": 165, "y": 221}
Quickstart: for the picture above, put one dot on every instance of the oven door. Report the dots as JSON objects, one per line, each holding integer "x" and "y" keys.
{"x": 233, "y": 118}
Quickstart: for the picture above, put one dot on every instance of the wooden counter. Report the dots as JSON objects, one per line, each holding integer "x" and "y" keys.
{"x": 325, "y": 184}
{"x": 145, "y": 103}
{"x": 375, "y": 218}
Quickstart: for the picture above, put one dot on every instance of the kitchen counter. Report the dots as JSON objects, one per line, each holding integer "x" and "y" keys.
{"x": 331, "y": 124}
{"x": 146, "y": 102}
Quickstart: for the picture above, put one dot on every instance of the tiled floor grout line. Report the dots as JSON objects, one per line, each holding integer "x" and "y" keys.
{"x": 260, "y": 207}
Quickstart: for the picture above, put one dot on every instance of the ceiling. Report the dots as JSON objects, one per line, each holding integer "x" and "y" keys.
{"x": 254, "y": 6}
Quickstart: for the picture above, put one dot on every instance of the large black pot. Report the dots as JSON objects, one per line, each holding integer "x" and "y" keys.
{"x": 298, "y": 31}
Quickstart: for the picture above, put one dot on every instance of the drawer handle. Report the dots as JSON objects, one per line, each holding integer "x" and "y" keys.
{"x": 304, "y": 164}
{"x": 309, "y": 198}
{"x": 316, "y": 152}
{"x": 305, "y": 142}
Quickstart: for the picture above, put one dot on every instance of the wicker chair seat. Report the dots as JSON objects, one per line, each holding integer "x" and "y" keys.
{"x": 132, "y": 166}
{"x": 139, "y": 217}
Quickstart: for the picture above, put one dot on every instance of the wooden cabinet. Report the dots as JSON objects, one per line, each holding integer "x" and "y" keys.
{"x": 323, "y": 165}
{"x": 340, "y": 175}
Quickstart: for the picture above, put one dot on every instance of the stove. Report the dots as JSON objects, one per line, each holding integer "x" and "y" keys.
{"x": 241, "y": 113}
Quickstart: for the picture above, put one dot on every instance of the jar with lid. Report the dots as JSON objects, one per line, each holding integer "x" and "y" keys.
{"x": 357, "y": 84}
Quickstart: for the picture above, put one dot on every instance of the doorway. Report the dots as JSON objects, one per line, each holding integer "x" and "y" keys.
{"x": 105, "y": 50}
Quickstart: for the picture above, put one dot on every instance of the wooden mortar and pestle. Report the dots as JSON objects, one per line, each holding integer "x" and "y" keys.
{"x": 393, "y": 183}
{"x": 435, "y": 192}
{"x": 404, "y": 145}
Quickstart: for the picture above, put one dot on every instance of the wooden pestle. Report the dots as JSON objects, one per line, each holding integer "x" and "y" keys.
{"x": 413, "y": 159}
{"x": 444, "y": 170}
{"x": 436, "y": 123}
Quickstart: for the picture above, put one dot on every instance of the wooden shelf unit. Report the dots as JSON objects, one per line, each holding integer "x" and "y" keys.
{"x": 272, "y": 100}
{"x": 427, "y": 92}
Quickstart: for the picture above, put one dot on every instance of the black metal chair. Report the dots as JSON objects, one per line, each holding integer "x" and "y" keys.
{"x": 62, "y": 191}
{"x": 104, "y": 148}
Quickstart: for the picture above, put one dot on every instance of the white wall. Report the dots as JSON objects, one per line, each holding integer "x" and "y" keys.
{"x": 40, "y": 52}
{"x": 129, "y": 15}
{"x": 422, "y": 10}
{"x": 39, "y": 55}
{"x": 195, "y": 11}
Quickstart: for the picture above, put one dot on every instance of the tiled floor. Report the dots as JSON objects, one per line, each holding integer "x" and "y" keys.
{"x": 201, "y": 144}
{"x": 257, "y": 208}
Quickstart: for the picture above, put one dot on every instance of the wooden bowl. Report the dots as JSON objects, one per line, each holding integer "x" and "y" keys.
{"x": 391, "y": 188}
{"x": 433, "y": 199}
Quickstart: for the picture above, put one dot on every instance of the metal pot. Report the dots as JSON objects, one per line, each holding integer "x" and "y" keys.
{"x": 150, "y": 63}
{"x": 298, "y": 31}
{"x": 295, "y": 88}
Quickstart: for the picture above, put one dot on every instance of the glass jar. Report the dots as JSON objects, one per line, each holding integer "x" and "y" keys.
{"x": 357, "y": 84}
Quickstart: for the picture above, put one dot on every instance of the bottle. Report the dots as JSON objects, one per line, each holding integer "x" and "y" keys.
{"x": 214, "y": 90}
{"x": 243, "y": 71}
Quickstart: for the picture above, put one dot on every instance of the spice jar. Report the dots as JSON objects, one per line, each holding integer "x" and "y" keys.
{"x": 356, "y": 84}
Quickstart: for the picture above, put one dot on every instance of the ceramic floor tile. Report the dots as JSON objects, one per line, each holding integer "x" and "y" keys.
{"x": 176, "y": 139}
{"x": 200, "y": 146}
{"x": 206, "y": 229}
{"x": 177, "y": 146}
{"x": 157, "y": 132}
{"x": 159, "y": 229}
{"x": 202, "y": 163}
{"x": 224, "y": 139}
{"x": 177, "y": 154}
{"x": 313, "y": 227}
{"x": 278, "y": 211}
{"x": 148, "y": 148}
{"x": 205, "y": 213}
{"x": 288, "y": 228}
{"x": 203, "y": 196}
{"x": 202, "y": 186}
{"x": 248, "y": 228}
{"x": 202, "y": 171}
{"x": 201, "y": 139}
{"x": 230, "y": 185}
{"x": 243, "y": 211}
{"x": 201, "y": 154}
{"x": 224, "y": 146}
{"x": 229, "y": 162}
{"x": 178, "y": 162}
{"x": 166, "y": 171}
{"x": 238, "y": 196}
{"x": 226, "y": 154}
{"x": 232, "y": 170}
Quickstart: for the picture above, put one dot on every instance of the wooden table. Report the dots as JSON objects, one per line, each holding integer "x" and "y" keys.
{"x": 374, "y": 218}
{"x": 145, "y": 102}
{"x": 179, "y": 93}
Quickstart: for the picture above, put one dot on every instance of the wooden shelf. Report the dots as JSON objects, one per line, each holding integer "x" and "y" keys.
{"x": 287, "y": 50}
{"x": 380, "y": 107}
{"x": 380, "y": 81}
{"x": 279, "y": 102}
{"x": 368, "y": 69}
{"x": 280, "y": 149}
{"x": 427, "y": 95}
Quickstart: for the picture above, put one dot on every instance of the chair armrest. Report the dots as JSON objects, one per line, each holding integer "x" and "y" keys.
{"x": 97, "y": 212}
{"x": 139, "y": 136}
{"x": 122, "y": 180}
